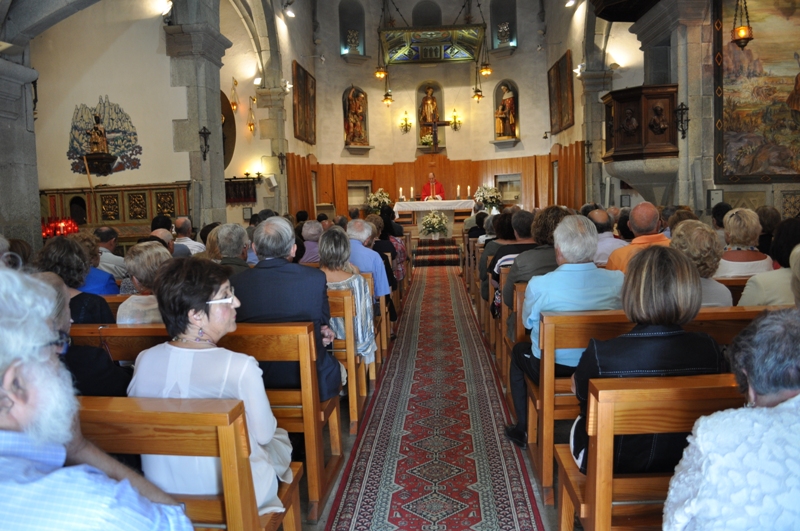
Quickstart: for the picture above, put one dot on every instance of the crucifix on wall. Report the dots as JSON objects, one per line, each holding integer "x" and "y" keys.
{"x": 435, "y": 133}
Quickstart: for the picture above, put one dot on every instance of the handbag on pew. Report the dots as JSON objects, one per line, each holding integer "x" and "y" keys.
{"x": 495, "y": 308}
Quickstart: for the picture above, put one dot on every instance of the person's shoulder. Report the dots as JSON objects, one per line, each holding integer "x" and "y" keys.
{"x": 610, "y": 275}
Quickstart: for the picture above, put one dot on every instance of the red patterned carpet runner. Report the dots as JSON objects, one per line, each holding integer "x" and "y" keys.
{"x": 432, "y": 454}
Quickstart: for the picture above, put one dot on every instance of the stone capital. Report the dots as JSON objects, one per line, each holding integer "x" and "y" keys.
{"x": 596, "y": 81}
{"x": 655, "y": 27}
{"x": 196, "y": 40}
{"x": 12, "y": 79}
{"x": 270, "y": 97}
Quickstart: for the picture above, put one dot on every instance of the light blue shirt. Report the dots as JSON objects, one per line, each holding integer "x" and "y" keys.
{"x": 570, "y": 288}
{"x": 37, "y": 492}
{"x": 368, "y": 261}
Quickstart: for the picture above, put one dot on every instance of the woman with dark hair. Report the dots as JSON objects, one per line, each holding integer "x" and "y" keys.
{"x": 334, "y": 261}
{"x": 382, "y": 243}
{"x": 622, "y": 227}
{"x": 660, "y": 293}
{"x": 67, "y": 259}
{"x": 389, "y": 233}
{"x": 198, "y": 307}
{"x": 740, "y": 468}
{"x": 505, "y": 236}
{"x": 97, "y": 281}
{"x": 769, "y": 217}
{"x": 774, "y": 287}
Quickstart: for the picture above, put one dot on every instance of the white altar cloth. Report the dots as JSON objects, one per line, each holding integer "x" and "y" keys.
{"x": 425, "y": 206}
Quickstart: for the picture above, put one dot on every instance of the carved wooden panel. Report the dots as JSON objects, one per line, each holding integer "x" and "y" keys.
{"x": 137, "y": 206}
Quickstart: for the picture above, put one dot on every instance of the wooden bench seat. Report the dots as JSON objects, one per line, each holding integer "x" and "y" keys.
{"x": 214, "y": 428}
{"x": 343, "y": 305}
{"x": 551, "y": 398}
{"x": 297, "y": 410}
{"x": 626, "y": 406}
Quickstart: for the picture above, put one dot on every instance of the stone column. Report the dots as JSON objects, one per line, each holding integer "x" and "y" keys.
{"x": 273, "y": 128}
{"x": 685, "y": 26}
{"x": 594, "y": 83}
{"x": 196, "y": 50}
{"x": 19, "y": 206}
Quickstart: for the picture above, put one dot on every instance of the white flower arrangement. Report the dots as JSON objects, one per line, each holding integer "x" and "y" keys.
{"x": 434, "y": 223}
{"x": 489, "y": 196}
{"x": 377, "y": 200}
{"x": 426, "y": 140}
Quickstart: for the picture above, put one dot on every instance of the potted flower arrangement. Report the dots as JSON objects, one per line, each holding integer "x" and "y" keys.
{"x": 489, "y": 196}
{"x": 435, "y": 224}
{"x": 426, "y": 140}
{"x": 377, "y": 200}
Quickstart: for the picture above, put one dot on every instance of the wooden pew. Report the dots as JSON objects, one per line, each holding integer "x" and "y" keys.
{"x": 552, "y": 399}
{"x": 297, "y": 410}
{"x": 624, "y": 406}
{"x": 342, "y": 304}
{"x": 501, "y": 328}
{"x": 310, "y": 264}
{"x": 380, "y": 336}
{"x": 735, "y": 285}
{"x": 114, "y": 301}
{"x": 488, "y": 325}
{"x": 214, "y": 428}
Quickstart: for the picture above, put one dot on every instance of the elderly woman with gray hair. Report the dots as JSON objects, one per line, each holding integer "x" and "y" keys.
{"x": 334, "y": 261}
{"x": 312, "y": 230}
{"x": 740, "y": 469}
{"x": 699, "y": 242}
{"x": 142, "y": 262}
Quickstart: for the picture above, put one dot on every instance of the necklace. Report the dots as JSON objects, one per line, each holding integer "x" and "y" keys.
{"x": 195, "y": 340}
{"x": 740, "y": 248}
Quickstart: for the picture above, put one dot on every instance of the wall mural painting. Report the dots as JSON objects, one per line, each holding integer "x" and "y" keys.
{"x": 559, "y": 82}
{"x": 304, "y": 104}
{"x": 760, "y": 108}
{"x": 356, "y": 126}
{"x": 105, "y": 128}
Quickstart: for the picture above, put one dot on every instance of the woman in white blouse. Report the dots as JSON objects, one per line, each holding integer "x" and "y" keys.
{"x": 198, "y": 307}
{"x": 741, "y": 256}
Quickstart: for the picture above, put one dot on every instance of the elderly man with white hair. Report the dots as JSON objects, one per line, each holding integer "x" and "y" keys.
{"x": 312, "y": 230}
{"x": 576, "y": 285}
{"x": 364, "y": 258}
{"x": 50, "y": 476}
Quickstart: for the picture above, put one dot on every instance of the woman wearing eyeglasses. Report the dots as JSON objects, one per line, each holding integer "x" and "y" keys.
{"x": 198, "y": 306}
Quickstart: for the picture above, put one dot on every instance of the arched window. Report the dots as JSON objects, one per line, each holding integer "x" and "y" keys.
{"x": 426, "y": 13}
{"x": 506, "y": 110}
{"x": 351, "y": 28}
{"x": 77, "y": 210}
{"x": 503, "y": 17}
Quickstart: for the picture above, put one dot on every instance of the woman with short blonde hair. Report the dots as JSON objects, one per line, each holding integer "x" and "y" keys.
{"x": 142, "y": 262}
{"x": 741, "y": 256}
{"x": 699, "y": 242}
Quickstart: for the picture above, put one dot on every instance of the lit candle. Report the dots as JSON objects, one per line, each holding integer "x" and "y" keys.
{"x": 401, "y": 192}
{"x": 458, "y": 191}
{"x": 412, "y": 192}
{"x": 467, "y": 191}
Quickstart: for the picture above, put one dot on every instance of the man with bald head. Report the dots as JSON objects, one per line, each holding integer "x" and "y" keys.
{"x": 183, "y": 229}
{"x": 645, "y": 223}
{"x": 606, "y": 242}
{"x": 177, "y": 250}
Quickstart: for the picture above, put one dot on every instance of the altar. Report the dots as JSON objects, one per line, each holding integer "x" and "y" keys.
{"x": 445, "y": 207}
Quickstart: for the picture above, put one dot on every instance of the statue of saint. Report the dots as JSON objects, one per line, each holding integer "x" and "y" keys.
{"x": 428, "y": 111}
{"x": 354, "y": 125}
{"x": 629, "y": 125}
{"x": 98, "y": 143}
{"x": 658, "y": 124}
{"x": 509, "y": 103}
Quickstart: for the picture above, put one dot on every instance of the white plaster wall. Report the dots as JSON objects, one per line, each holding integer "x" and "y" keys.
{"x": 527, "y": 68}
{"x": 623, "y": 49}
{"x": 114, "y": 48}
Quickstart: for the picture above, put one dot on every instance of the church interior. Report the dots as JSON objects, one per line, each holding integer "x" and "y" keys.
{"x": 113, "y": 112}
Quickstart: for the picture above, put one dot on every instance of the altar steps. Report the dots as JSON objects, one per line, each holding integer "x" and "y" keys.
{"x": 441, "y": 252}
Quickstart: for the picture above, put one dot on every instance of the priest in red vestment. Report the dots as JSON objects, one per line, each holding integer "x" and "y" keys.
{"x": 433, "y": 189}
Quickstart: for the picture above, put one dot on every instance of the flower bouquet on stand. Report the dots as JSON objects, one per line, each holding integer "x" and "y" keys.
{"x": 490, "y": 197}
{"x": 377, "y": 200}
{"x": 435, "y": 224}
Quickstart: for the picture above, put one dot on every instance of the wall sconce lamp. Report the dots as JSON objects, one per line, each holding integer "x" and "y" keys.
{"x": 166, "y": 13}
{"x": 205, "y": 148}
{"x": 682, "y": 119}
{"x": 281, "y": 162}
{"x": 455, "y": 123}
{"x": 251, "y": 117}
{"x": 286, "y": 85}
{"x": 545, "y": 134}
{"x": 287, "y": 8}
{"x": 234, "y": 95}
{"x": 569, "y": 3}
{"x": 405, "y": 125}
{"x": 580, "y": 70}
{"x": 741, "y": 33}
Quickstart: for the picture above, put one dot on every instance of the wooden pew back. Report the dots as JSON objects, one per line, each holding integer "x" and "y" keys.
{"x": 343, "y": 305}
{"x": 735, "y": 285}
{"x": 114, "y": 301}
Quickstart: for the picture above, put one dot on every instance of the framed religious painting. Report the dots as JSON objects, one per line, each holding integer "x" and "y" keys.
{"x": 757, "y": 95}
{"x": 304, "y": 104}
{"x": 559, "y": 84}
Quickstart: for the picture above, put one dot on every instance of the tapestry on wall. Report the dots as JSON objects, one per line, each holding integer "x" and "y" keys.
{"x": 760, "y": 88}
{"x": 113, "y": 133}
{"x": 304, "y": 104}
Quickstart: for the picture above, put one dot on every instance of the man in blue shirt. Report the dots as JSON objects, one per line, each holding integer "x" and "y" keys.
{"x": 576, "y": 285}
{"x": 364, "y": 258}
{"x": 39, "y": 434}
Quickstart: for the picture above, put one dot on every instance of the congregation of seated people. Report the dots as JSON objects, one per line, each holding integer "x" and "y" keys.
{"x": 659, "y": 265}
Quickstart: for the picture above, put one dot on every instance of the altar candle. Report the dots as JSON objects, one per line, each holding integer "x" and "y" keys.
{"x": 412, "y": 191}
{"x": 401, "y": 192}
{"x": 458, "y": 190}
{"x": 467, "y": 191}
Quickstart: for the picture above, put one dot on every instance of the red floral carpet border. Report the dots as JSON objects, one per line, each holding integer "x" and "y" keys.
{"x": 431, "y": 455}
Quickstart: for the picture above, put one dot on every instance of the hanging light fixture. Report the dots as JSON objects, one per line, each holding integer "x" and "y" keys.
{"x": 477, "y": 93}
{"x": 380, "y": 71}
{"x": 387, "y": 95}
{"x": 742, "y": 32}
{"x": 486, "y": 67}
{"x": 251, "y": 117}
{"x": 234, "y": 96}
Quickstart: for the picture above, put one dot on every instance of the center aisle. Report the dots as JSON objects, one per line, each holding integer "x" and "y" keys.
{"x": 432, "y": 453}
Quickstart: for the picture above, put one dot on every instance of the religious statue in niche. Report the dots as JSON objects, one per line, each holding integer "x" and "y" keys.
{"x": 354, "y": 102}
{"x": 506, "y": 114}
{"x": 352, "y": 41}
{"x": 105, "y": 128}
{"x": 428, "y": 112}
{"x": 629, "y": 125}
{"x": 658, "y": 124}
{"x": 503, "y": 33}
